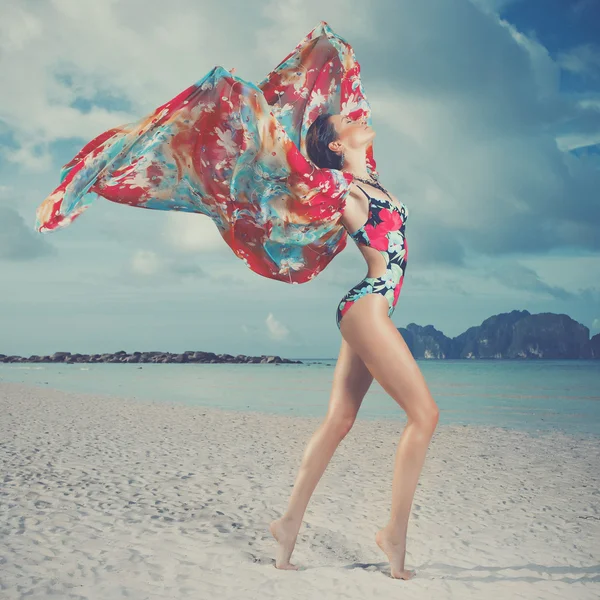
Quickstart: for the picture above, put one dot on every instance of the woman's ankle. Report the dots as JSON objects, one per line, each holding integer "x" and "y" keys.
{"x": 396, "y": 534}
{"x": 290, "y": 521}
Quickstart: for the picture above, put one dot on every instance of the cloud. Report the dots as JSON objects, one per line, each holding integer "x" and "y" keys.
{"x": 273, "y": 330}
{"x": 472, "y": 140}
{"x": 522, "y": 278}
{"x": 493, "y": 6}
{"x": 583, "y": 60}
{"x": 18, "y": 241}
{"x": 276, "y": 330}
{"x": 146, "y": 262}
{"x": 150, "y": 267}
{"x": 189, "y": 232}
{"x": 77, "y": 87}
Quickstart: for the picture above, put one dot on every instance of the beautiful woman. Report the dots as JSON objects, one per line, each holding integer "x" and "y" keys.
{"x": 372, "y": 347}
{"x": 285, "y": 170}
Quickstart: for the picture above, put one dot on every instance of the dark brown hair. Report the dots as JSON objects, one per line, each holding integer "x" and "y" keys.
{"x": 320, "y": 134}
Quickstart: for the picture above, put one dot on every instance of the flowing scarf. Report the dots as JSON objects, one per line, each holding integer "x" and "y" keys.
{"x": 235, "y": 152}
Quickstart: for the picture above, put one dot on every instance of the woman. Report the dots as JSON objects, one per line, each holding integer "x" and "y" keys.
{"x": 235, "y": 152}
{"x": 371, "y": 344}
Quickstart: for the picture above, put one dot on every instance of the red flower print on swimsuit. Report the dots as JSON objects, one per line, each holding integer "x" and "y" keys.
{"x": 347, "y": 306}
{"x": 390, "y": 221}
{"x": 397, "y": 290}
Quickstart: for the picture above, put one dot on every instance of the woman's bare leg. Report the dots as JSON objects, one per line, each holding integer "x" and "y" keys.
{"x": 351, "y": 381}
{"x": 374, "y": 337}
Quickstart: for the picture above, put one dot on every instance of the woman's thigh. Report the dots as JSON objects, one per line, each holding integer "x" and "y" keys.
{"x": 351, "y": 381}
{"x": 374, "y": 338}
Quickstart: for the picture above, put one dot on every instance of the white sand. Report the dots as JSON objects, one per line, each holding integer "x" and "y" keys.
{"x": 110, "y": 498}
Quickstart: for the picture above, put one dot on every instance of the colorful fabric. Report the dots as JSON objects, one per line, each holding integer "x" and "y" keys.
{"x": 235, "y": 152}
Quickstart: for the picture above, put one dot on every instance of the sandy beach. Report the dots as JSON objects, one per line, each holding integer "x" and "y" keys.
{"x": 108, "y": 498}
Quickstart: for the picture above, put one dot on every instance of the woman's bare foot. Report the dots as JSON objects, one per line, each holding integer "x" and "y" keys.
{"x": 395, "y": 552}
{"x": 285, "y": 533}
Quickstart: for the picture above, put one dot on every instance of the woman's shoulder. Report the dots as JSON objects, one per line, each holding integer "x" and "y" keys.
{"x": 353, "y": 188}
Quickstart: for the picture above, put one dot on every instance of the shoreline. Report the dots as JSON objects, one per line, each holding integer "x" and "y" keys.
{"x": 247, "y": 410}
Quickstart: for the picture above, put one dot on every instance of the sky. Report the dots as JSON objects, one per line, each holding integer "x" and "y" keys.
{"x": 487, "y": 115}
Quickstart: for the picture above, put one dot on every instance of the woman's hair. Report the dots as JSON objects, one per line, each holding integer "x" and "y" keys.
{"x": 320, "y": 134}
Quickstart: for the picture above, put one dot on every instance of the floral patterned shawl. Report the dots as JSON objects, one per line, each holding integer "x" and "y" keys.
{"x": 236, "y": 152}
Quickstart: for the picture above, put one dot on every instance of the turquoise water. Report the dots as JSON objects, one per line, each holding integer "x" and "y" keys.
{"x": 526, "y": 395}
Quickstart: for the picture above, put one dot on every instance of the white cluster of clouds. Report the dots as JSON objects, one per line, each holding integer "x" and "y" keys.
{"x": 192, "y": 233}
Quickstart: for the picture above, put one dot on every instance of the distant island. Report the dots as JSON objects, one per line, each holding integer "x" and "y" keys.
{"x": 514, "y": 335}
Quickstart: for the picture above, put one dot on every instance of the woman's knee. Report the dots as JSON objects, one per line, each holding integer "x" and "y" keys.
{"x": 340, "y": 424}
{"x": 434, "y": 416}
{"x": 426, "y": 418}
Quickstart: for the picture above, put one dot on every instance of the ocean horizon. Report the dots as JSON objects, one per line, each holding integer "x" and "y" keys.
{"x": 531, "y": 396}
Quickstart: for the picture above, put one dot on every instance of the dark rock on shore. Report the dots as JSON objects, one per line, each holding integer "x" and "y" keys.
{"x": 149, "y": 357}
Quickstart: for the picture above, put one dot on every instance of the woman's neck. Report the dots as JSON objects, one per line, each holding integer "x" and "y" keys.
{"x": 355, "y": 163}
{"x": 363, "y": 173}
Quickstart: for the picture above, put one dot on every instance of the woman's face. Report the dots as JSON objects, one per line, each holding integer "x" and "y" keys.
{"x": 351, "y": 134}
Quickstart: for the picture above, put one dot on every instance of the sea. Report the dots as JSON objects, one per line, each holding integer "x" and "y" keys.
{"x": 528, "y": 395}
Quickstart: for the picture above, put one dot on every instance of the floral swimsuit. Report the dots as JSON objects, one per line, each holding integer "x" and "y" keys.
{"x": 384, "y": 231}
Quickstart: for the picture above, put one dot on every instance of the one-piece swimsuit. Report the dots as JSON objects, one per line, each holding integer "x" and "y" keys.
{"x": 384, "y": 231}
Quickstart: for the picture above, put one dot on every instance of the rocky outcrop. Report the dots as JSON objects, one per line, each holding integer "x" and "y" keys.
{"x": 427, "y": 342}
{"x": 149, "y": 357}
{"x": 515, "y": 335}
